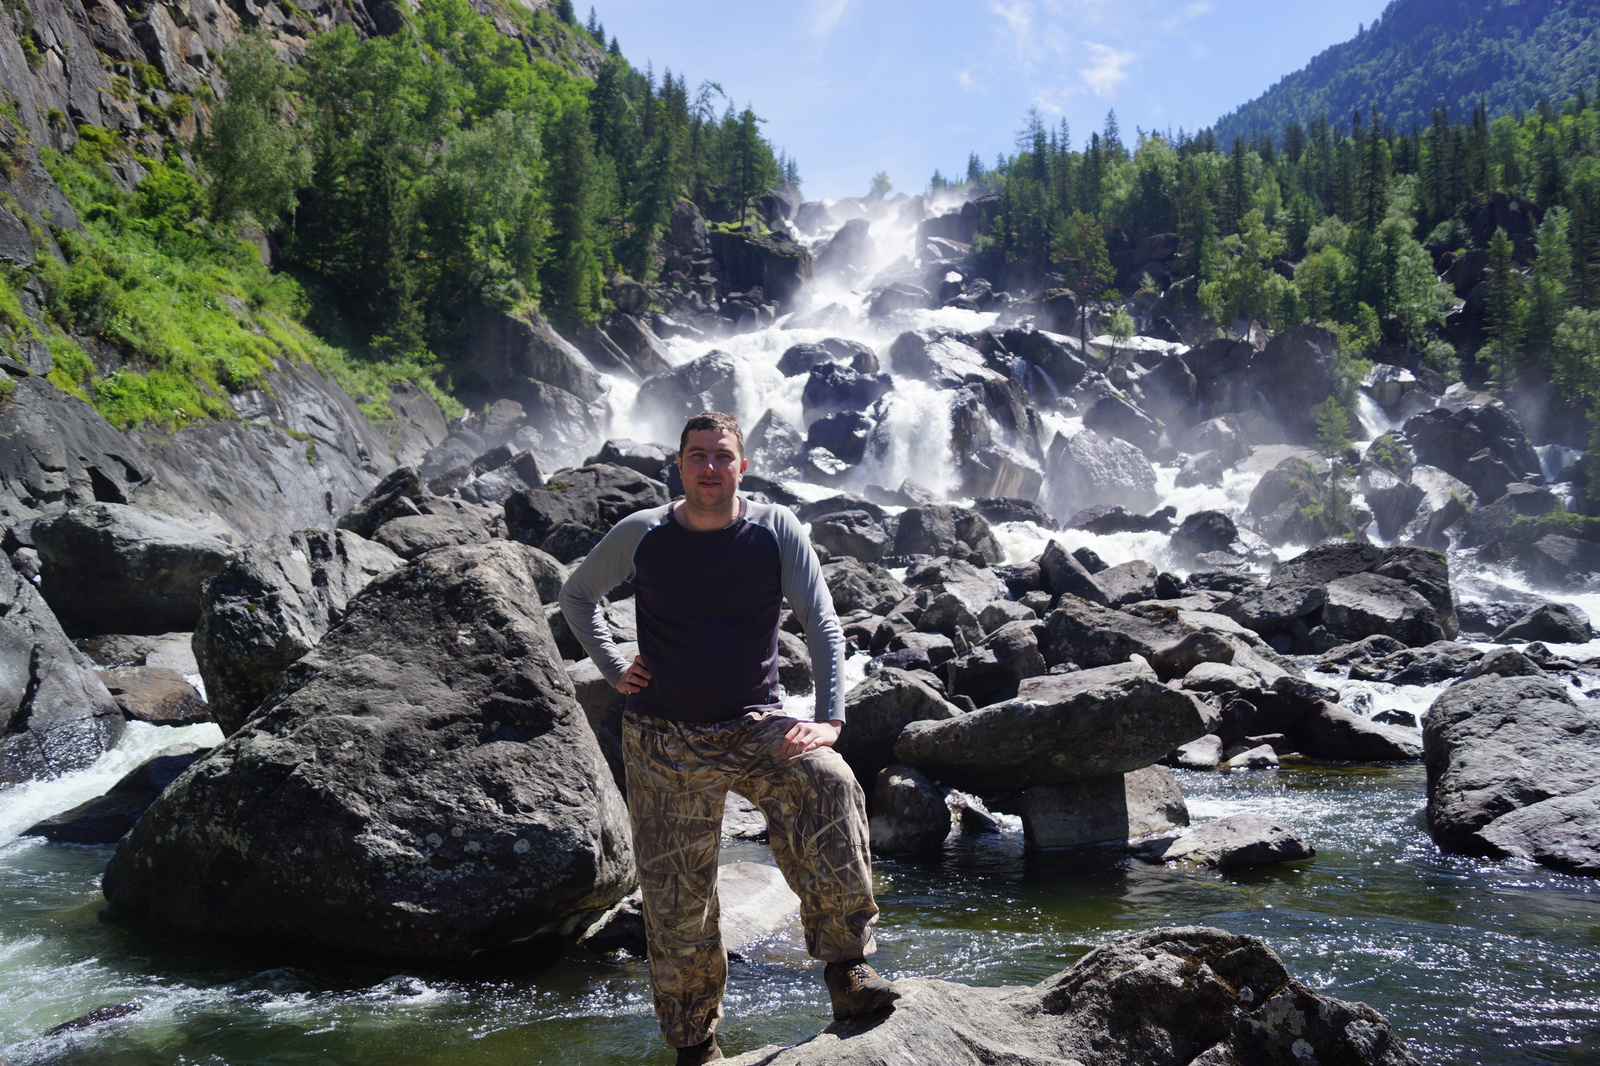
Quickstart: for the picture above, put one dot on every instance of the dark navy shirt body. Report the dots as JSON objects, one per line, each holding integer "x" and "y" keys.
{"x": 707, "y": 606}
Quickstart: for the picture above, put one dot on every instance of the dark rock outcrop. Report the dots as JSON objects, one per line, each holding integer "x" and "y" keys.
{"x": 104, "y": 819}
{"x": 55, "y": 713}
{"x": 1513, "y": 764}
{"x": 576, "y": 507}
{"x": 110, "y": 568}
{"x": 401, "y": 797}
{"x": 271, "y": 604}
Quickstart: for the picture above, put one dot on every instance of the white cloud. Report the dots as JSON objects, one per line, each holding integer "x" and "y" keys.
{"x": 1017, "y": 15}
{"x": 825, "y": 16}
{"x": 1107, "y": 68}
{"x": 1190, "y": 12}
{"x": 965, "y": 79}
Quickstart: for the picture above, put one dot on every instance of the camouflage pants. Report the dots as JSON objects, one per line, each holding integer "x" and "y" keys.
{"x": 678, "y": 776}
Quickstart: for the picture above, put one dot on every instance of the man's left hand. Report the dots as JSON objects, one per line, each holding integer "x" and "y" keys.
{"x": 809, "y": 736}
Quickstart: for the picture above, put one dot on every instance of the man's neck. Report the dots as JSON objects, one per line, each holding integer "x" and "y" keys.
{"x": 704, "y": 521}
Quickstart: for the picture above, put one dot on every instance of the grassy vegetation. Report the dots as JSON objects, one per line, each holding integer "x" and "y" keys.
{"x": 191, "y": 310}
{"x": 1560, "y": 521}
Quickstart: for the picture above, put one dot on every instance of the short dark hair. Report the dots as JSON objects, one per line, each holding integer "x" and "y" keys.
{"x": 711, "y": 420}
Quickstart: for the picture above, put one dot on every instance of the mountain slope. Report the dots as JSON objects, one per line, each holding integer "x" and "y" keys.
{"x": 1425, "y": 52}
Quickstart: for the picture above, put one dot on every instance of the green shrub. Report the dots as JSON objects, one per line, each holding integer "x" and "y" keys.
{"x": 71, "y": 369}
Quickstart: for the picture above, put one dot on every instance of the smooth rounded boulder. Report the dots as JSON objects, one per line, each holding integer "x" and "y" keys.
{"x": 423, "y": 786}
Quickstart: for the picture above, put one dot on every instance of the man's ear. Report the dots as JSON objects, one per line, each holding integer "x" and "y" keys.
{"x": 744, "y": 464}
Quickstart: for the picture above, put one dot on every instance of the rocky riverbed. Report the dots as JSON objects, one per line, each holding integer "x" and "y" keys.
{"x": 1072, "y": 576}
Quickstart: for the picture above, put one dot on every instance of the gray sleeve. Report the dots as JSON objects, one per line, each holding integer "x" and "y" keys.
{"x": 812, "y": 603}
{"x": 607, "y": 566}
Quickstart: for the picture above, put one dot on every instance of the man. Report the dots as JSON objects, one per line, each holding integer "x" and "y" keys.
{"x": 710, "y": 572}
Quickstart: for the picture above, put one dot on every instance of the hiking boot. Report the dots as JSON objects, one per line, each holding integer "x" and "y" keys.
{"x": 857, "y": 989}
{"x": 695, "y": 1054}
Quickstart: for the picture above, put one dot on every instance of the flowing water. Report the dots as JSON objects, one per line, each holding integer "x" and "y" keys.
{"x": 1473, "y": 962}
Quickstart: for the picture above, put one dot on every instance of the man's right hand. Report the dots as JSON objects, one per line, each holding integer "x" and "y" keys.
{"x": 635, "y": 678}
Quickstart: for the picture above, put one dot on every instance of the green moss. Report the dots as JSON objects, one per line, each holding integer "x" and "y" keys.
{"x": 71, "y": 369}
{"x": 7, "y": 386}
{"x": 150, "y": 79}
{"x": 31, "y": 50}
{"x": 14, "y": 324}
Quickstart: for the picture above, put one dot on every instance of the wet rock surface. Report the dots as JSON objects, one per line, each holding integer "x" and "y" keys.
{"x": 55, "y": 712}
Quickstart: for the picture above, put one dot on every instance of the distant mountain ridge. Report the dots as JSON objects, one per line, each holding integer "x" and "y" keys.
{"x": 1421, "y": 53}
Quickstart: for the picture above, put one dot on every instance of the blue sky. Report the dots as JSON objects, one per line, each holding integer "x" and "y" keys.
{"x": 851, "y": 87}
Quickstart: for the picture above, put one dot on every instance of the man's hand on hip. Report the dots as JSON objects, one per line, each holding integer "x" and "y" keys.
{"x": 809, "y": 736}
{"x": 634, "y": 678}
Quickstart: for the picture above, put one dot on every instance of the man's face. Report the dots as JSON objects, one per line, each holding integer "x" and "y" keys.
{"x": 710, "y": 464}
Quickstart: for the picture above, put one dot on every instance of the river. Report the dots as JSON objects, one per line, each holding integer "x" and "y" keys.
{"x": 1473, "y": 962}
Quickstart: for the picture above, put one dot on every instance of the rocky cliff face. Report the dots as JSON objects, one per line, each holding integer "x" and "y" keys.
{"x": 300, "y": 453}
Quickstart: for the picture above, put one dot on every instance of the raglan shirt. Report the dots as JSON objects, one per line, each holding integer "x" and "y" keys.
{"x": 707, "y": 607}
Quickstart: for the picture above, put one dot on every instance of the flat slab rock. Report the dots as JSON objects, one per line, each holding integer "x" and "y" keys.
{"x": 1166, "y": 997}
{"x": 1238, "y": 840}
{"x": 1060, "y": 728}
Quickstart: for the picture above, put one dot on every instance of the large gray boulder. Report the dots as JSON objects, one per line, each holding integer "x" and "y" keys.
{"x": 1497, "y": 748}
{"x": 1294, "y": 504}
{"x": 1363, "y": 605}
{"x": 1060, "y": 728}
{"x": 1061, "y": 572}
{"x": 709, "y": 383}
{"x": 1187, "y": 996}
{"x": 993, "y": 670}
{"x": 1086, "y": 634}
{"x": 875, "y": 713}
{"x": 1562, "y": 832}
{"x": 909, "y": 813}
{"x": 1238, "y": 840}
{"x": 269, "y": 605}
{"x": 423, "y": 786}
{"x": 110, "y": 568}
{"x": 502, "y": 351}
{"x": 55, "y": 713}
{"x": 1087, "y": 469}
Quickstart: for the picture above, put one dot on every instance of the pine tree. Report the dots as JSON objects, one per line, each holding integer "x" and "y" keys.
{"x": 572, "y": 279}
{"x": 1503, "y": 303}
{"x": 752, "y": 170}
